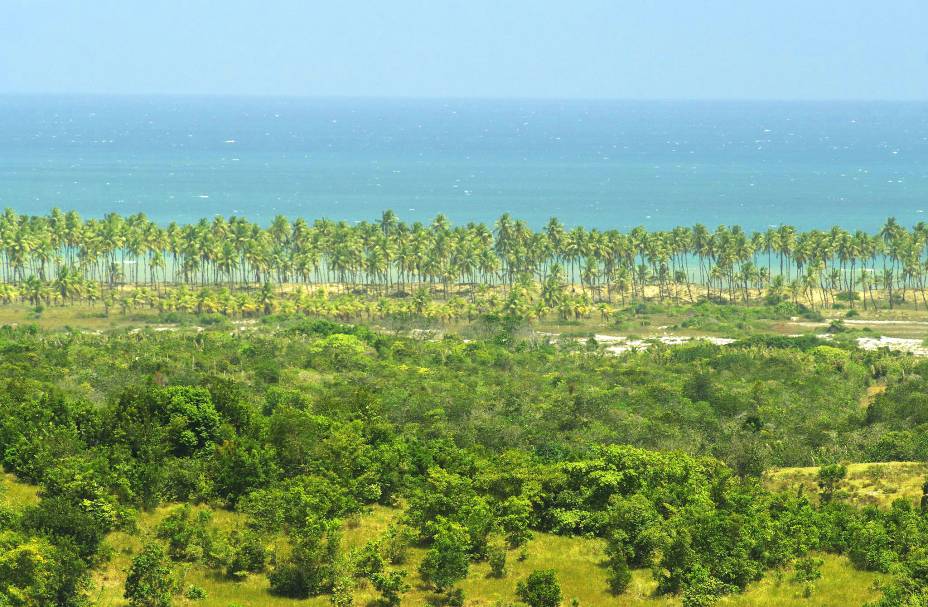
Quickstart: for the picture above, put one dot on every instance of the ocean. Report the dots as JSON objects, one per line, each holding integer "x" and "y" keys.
{"x": 604, "y": 164}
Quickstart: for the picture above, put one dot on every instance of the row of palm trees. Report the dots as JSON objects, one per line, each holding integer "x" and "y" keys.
{"x": 65, "y": 253}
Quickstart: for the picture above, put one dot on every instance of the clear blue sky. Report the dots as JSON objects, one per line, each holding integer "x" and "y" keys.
{"x": 766, "y": 49}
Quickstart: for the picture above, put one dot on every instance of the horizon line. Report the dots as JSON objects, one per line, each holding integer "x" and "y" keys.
{"x": 476, "y": 98}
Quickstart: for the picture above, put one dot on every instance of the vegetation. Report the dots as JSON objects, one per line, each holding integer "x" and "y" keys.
{"x": 540, "y": 589}
{"x": 866, "y": 484}
{"x": 149, "y": 583}
{"x": 203, "y": 465}
{"x": 228, "y": 266}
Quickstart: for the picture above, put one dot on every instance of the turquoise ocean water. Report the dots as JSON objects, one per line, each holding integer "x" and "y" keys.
{"x": 607, "y": 164}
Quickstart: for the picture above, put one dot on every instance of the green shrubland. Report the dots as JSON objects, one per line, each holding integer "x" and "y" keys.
{"x": 313, "y": 461}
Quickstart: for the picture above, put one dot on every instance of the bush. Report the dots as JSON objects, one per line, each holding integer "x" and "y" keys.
{"x": 515, "y": 517}
{"x": 829, "y": 477}
{"x": 702, "y": 589}
{"x": 390, "y": 585}
{"x": 246, "y": 553}
{"x": 341, "y": 591}
{"x": 620, "y": 575}
{"x": 368, "y": 560}
{"x": 807, "y": 570}
{"x": 338, "y": 351}
{"x": 396, "y": 541}
{"x": 848, "y": 296}
{"x": 496, "y": 556}
{"x": 448, "y": 560}
{"x": 454, "y": 598}
{"x": 310, "y": 568}
{"x": 150, "y": 580}
{"x": 189, "y": 538}
{"x": 540, "y": 589}
{"x": 195, "y": 593}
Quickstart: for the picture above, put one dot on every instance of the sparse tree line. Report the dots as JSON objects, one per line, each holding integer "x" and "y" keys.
{"x": 62, "y": 257}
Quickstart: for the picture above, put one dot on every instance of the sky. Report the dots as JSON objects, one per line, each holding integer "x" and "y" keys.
{"x": 628, "y": 49}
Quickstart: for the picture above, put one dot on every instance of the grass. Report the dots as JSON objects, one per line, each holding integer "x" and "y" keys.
{"x": 876, "y": 484}
{"x": 734, "y": 320}
{"x": 80, "y": 316}
{"x": 578, "y": 562}
{"x": 841, "y": 586}
{"x": 17, "y": 494}
{"x": 872, "y": 392}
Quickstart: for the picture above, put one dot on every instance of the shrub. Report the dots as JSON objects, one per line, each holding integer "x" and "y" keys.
{"x": 620, "y": 575}
{"x": 496, "y": 556}
{"x": 245, "y": 553}
{"x": 341, "y": 591}
{"x": 540, "y": 589}
{"x": 195, "y": 593}
{"x": 515, "y": 517}
{"x": 188, "y": 537}
{"x": 829, "y": 477}
{"x": 368, "y": 560}
{"x": 310, "y": 568}
{"x": 390, "y": 585}
{"x": 702, "y": 589}
{"x": 448, "y": 560}
{"x": 396, "y": 541}
{"x": 454, "y": 598}
{"x": 807, "y": 569}
{"x": 150, "y": 580}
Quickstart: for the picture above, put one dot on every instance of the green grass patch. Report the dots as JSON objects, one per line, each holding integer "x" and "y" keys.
{"x": 17, "y": 494}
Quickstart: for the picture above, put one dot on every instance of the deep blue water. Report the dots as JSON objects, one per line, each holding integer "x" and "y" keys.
{"x": 596, "y": 163}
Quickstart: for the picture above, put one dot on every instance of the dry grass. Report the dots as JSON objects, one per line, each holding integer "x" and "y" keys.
{"x": 875, "y": 484}
{"x": 79, "y": 316}
{"x": 872, "y": 392}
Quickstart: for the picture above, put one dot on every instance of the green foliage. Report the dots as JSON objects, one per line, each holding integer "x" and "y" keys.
{"x": 391, "y": 585}
{"x": 620, "y": 575}
{"x": 150, "y": 582}
{"x": 368, "y": 560}
{"x": 540, "y": 589}
{"x": 25, "y": 574}
{"x": 240, "y": 553}
{"x": 702, "y": 589}
{"x": 309, "y": 570}
{"x": 395, "y": 543}
{"x": 192, "y": 420}
{"x": 910, "y": 587}
{"x": 188, "y": 534}
{"x": 637, "y": 527}
{"x": 515, "y": 519}
{"x": 341, "y": 591}
{"x": 448, "y": 559}
{"x": 482, "y": 443}
{"x": 453, "y": 598}
{"x": 338, "y": 351}
{"x": 829, "y": 478}
{"x": 496, "y": 557}
{"x": 807, "y": 570}
{"x": 195, "y": 593}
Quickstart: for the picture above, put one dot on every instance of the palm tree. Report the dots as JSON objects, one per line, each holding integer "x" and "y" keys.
{"x": 131, "y": 254}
